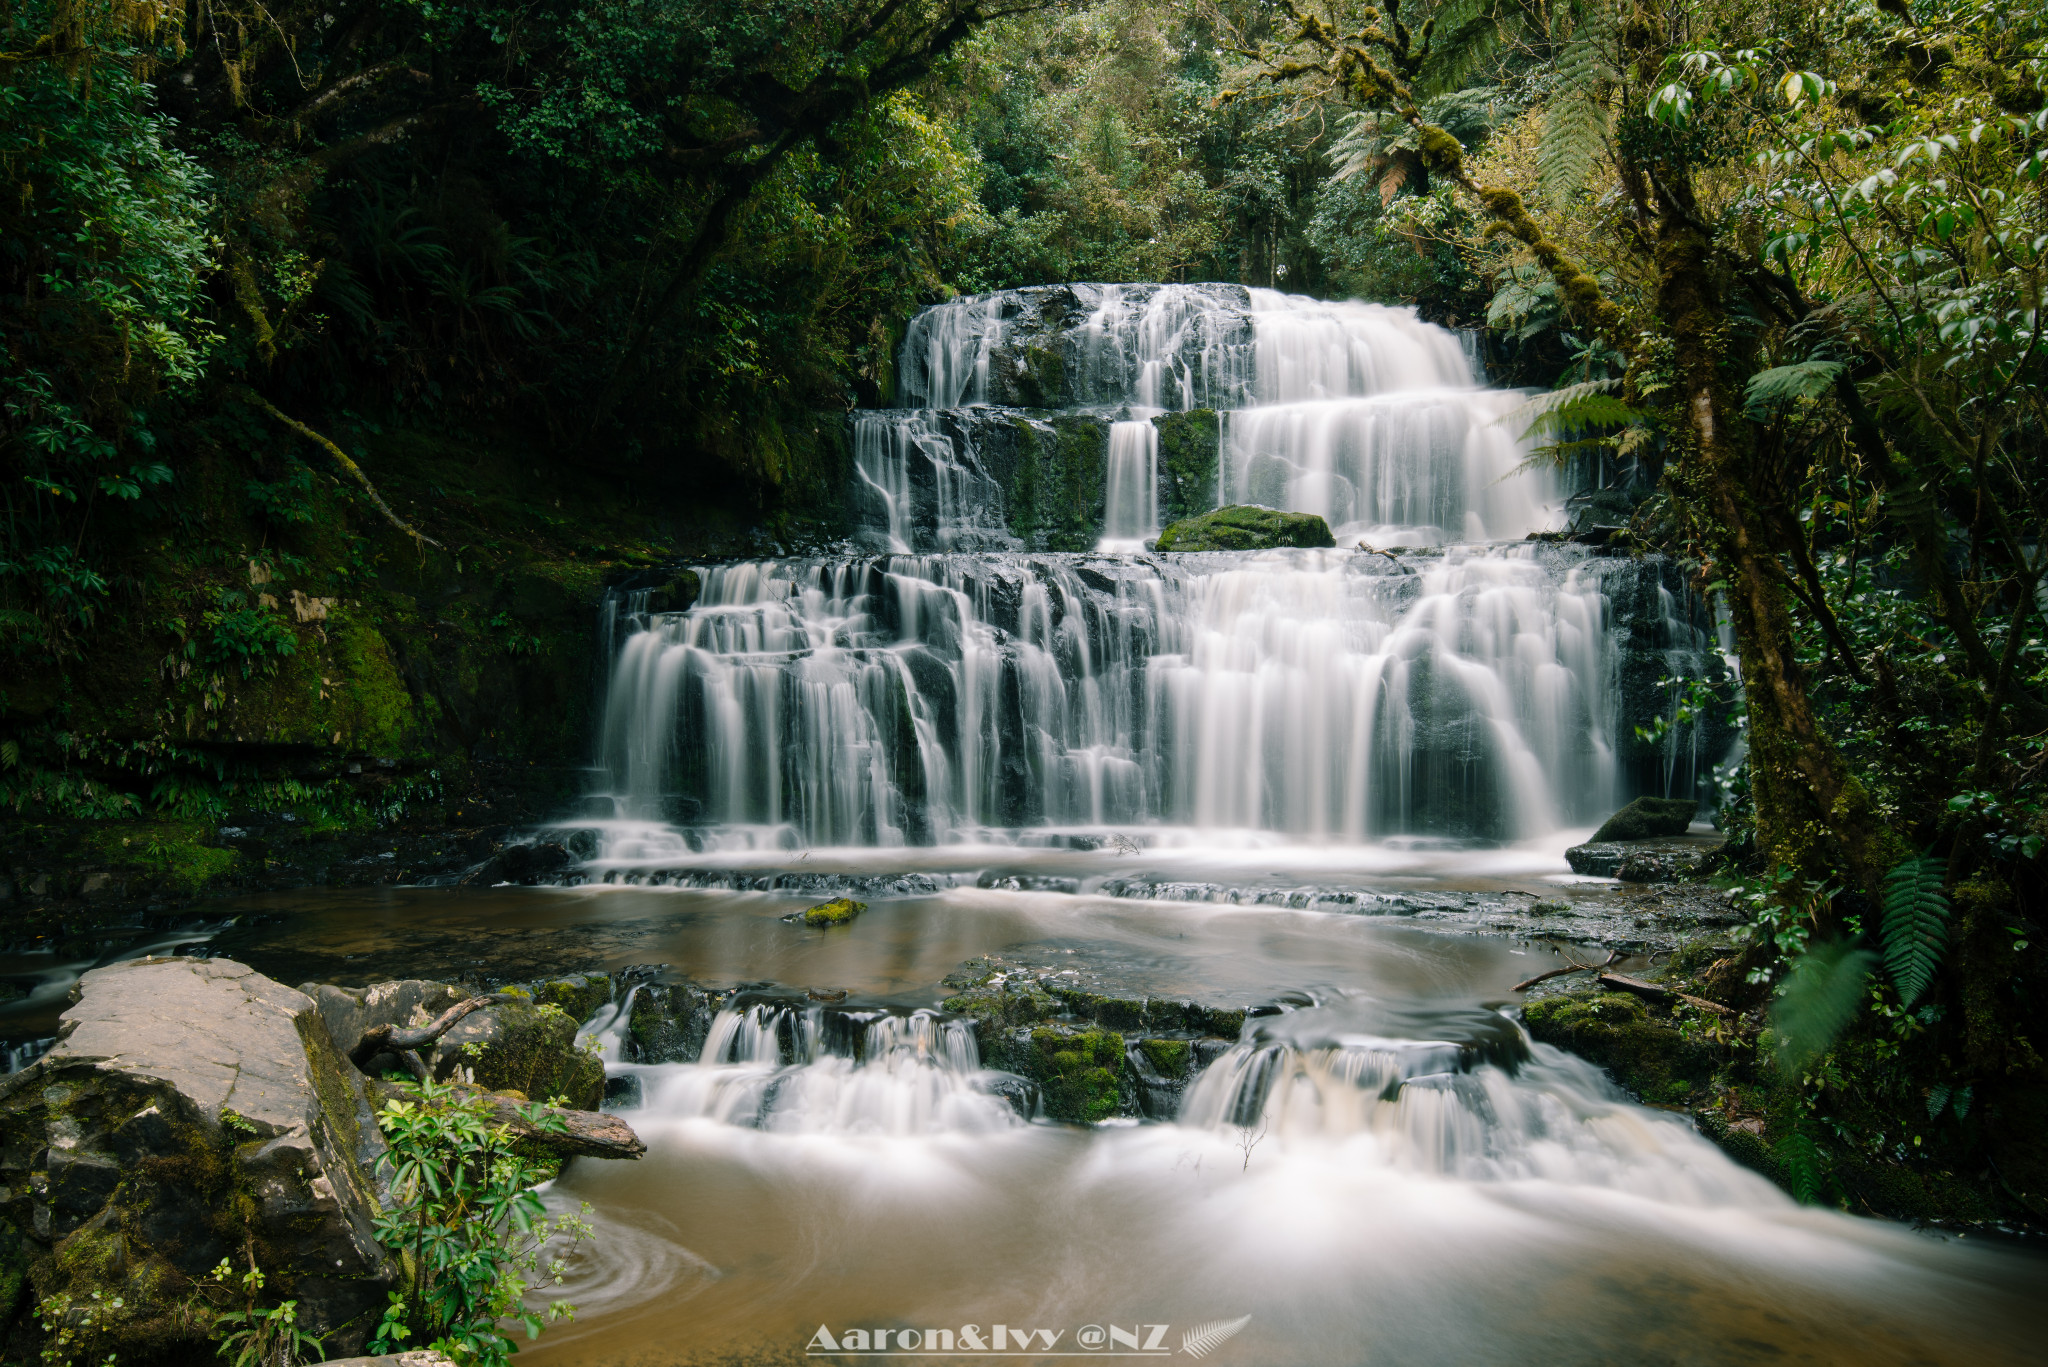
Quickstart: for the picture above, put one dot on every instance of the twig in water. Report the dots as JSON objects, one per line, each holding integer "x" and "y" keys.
{"x": 1574, "y": 967}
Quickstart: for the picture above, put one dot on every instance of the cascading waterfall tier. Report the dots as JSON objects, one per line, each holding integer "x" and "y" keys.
{"x": 951, "y": 685}
{"x": 1359, "y": 412}
{"x": 1329, "y": 696}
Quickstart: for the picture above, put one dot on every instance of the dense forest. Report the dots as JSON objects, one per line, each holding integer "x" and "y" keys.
{"x": 351, "y": 348}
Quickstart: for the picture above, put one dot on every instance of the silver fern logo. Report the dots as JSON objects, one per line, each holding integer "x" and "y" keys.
{"x": 1205, "y": 1339}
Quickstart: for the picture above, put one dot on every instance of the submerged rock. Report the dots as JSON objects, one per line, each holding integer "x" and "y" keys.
{"x": 1641, "y": 861}
{"x": 1647, "y": 817}
{"x": 1244, "y": 527}
{"x": 837, "y": 912}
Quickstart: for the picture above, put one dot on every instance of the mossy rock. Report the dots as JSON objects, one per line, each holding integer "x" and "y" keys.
{"x": 839, "y": 911}
{"x": 1648, "y": 817}
{"x": 1169, "y": 1058}
{"x": 1243, "y": 527}
{"x": 524, "y": 1048}
{"x": 1079, "y": 1073}
{"x": 1648, "y": 1056}
{"x": 1188, "y": 447}
{"x": 578, "y": 995}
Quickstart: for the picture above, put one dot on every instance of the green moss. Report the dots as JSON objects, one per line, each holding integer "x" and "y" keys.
{"x": 535, "y": 1054}
{"x": 1188, "y": 447}
{"x": 1042, "y": 383}
{"x": 161, "y": 854}
{"x": 839, "y": 911}
{"x": 1054, "y": 490}
{"x": 1650, "y": 1058}
{"x": 1647, "y": 817}
{"x": 1168, "y": 1057}
{"x": 1242, "y": 527}
{"x": 1080, "y": 1074}
{"x": 579, "y": 996}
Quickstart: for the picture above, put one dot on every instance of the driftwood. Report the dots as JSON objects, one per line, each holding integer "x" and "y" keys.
{"x": 390, "y": 1039}
{"x": 1571, "y": 967}
{"x": 1643, "y": 989}
{"x": 589, "y": 1134}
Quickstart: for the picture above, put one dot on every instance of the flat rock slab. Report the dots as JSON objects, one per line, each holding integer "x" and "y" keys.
{"x": 220, "y": 1033}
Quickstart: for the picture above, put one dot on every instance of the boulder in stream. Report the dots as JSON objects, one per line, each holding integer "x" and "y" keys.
{"x": 1646, "y": 818}
{"x": 1245, "y": 527}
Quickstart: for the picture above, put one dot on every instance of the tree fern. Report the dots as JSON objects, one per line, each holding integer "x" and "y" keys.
{"x": 1573, "y": 411}
{"x": 1785, "y": 384}
{"x": 1915, "y": 925}
{"x": 1818, "y": 998}
{"x": 1575, "y": 124}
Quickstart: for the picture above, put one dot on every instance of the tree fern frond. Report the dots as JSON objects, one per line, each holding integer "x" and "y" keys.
{"x": 1781, "y": 385}
{"x": 1574, "y": 409}
{"x": 1817, "y": 1000}
{"x": 1575, "y": 124}
{"x": 1915, "y": 925}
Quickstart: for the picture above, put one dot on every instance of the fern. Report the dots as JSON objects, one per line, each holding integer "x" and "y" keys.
{"x": 1573, "y": 410}
{"x": 1818, "y": 998}
{"x": 1915, "y": 925}
{"x": 1782, "y": 385}
{"x": 1800, "y": 1158}
{"x": 1575, "y": 125}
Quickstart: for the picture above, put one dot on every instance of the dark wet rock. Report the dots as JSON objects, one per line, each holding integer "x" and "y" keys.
{"x": 1646, "y": 817}
{"x": 1665, "y": 866}
{"x": 667, "y": 1022}
{"x": 1089, "y": 1055}
{"x": 544, "y": 861}
{"x": 1244, "y": 527}
{"x": 622, "y": 1091}
{"x": 193, "y": 1108}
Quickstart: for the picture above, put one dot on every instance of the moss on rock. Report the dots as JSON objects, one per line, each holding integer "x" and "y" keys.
{"x": 1649, "y": 1058}
{"x": 1243, "y": 527}
{"x": 1646, "y": 818}
{"x": 1079, "y": 1073}
{"x": 839, "y": 911}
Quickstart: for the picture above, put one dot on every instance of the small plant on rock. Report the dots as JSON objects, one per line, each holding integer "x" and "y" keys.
{"x": 257, "y": 1337}
{"x": 470, "y": 1231}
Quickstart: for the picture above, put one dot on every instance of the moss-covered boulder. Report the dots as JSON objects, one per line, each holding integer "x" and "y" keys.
{"x": 524, "y": 1047}
{"x": 840, "y": 911}
{"x": 1649, "y": 1057}
{"x": 1243, "y": 527}
{"x": 1189, "y": 444}
{"x": 193, "y": 1110}
{"x": 1080, "y": 1073}
{"x": 1648, "y": 817}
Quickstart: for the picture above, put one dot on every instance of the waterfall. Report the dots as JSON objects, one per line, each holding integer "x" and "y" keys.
{"x": 1131, "y": 515}
{"x": 950, "y": 683}
{"x": 791, "y": 1070}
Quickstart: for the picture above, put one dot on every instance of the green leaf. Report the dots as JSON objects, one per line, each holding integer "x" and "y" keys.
{"x": 1915, "y": 925}
{"x": 1802, "y": 1162}
{"x": 1575, "y": 124}
{"x": 1817, "y": 1000}
{"x": 1781, "y": 385}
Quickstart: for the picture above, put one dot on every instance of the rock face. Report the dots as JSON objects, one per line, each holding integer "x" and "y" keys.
{"x": 192, "y": 1110}
{"x": 1641, "y": 861}
{"x": 1243, "y": 527}
{"x": 1647, "y": 817}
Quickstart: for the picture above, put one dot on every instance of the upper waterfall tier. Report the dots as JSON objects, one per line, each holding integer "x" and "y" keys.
{"x": 1018, "y": 429}
{"x": 1171, "y": 347}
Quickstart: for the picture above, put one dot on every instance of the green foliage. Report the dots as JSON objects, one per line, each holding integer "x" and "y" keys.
{"x": 256, "y": 1336}
{"x": 1819, "y": 997}
{"x": 468, "y": 1226}
{"x": 1915, "y": 924}
{"x": 1786, "y": 384}
{"x": 76, "y": 1330}
{"x": 1575, "y": 121}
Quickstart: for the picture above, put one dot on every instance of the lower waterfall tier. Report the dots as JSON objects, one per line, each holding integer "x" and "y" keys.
{"x": 1489, "y": 693}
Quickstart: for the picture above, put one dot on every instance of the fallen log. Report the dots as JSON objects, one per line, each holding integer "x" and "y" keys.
{"x": 585, "y": 1134}
{"x": 1642, "y": 989}
{"x": 389, "y": 1039}
{"x": 1570, "y": 967}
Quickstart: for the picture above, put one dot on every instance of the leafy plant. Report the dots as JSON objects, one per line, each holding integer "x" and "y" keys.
{"x": 468, "y": 1227}
{"x": 1915, "y": 925}
{"x": 254, "y": 1336}
{"x": 1817, "y": 1000}
{"x": 75, "y": 1329}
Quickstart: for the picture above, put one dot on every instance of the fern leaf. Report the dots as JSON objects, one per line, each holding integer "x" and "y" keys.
{"x": 1785, "y": 384}
{"x": 1575, "y": 125}
{"x": 1915, "y": 925}
{"x": 1206, "y": 1338}
{"x": 1962, "y": 1103}
{"x": 1937, "y": 1098}
{"x": 1573, "y": 410}
{"x": 1800, "y": 1157}
{"x": 1818, "y": 998}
